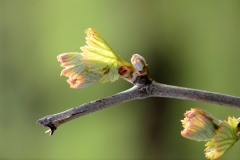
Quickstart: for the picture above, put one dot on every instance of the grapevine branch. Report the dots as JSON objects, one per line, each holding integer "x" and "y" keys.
{"x": 143, "y": 88}
{"x": 99, "y": 63}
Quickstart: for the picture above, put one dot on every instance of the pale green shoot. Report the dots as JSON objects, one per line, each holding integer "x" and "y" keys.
{"x": 97, "y": 63}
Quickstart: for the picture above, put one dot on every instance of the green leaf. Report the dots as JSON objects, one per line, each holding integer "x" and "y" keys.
{"x": 99, "y": 57}
{"x": 76, "y": 70}
{"x": 97, "y": 63}
{"x": 227, "y": 135}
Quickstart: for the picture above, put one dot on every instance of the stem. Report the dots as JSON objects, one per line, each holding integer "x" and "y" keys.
{"x": 143, "y": 88}
{"x": 162, "y": 90}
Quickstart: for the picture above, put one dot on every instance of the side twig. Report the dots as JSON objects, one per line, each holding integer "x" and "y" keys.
{"x": 136, "y": 92}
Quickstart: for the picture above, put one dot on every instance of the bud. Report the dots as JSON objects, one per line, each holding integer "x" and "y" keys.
{"x": 139, "y": 64}
{"x": 221, "y": 135}
{"x": 125, "y": 72}
{"x": 199, "y": 125}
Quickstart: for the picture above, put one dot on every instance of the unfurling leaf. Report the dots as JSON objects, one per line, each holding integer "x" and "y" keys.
{"x": 226, "y": 136}
{"x": 97, "y": 63}
{"x": 199, "y": 125}
{"x": 99, "y": 57}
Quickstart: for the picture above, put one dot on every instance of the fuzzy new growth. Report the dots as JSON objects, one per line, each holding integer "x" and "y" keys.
{"x": 97, "y": 63}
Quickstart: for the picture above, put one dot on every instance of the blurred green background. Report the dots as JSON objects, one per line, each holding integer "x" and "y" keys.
{"x": 193, "y": 44}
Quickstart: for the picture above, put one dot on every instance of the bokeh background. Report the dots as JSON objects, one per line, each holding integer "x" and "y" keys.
{"x": 193, "y": 44}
